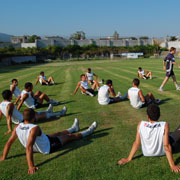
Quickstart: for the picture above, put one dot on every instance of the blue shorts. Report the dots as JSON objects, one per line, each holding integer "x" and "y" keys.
{"x": 169, "y": 74}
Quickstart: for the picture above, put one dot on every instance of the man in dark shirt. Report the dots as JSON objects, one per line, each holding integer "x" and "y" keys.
{"x": 168, "y": 63}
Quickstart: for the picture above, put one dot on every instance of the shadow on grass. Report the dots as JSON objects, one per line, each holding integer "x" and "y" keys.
{"x": 56, "y": 118}
{"x": 163, "y": 101}
{"x": 78, "y": 144}
{"x": 16, "y": 156}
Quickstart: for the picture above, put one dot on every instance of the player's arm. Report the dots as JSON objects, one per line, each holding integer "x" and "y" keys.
{"x": 86, "y": 76}
{"x": 12, "y": 89}
{"x": 37, "y": 80}
{"x": 138, "y": 75}
{"x": 36, "y": 131}
{"x": 141, "y": 96}
{"x": 175, "y": 63}
{"x": 164, "y": 64}
{"x": 17, "y": 100}
{"x": 77, "y": 87}
{"x": 168, "y": 150}
{"x": 95, "y": 75}
{"x": 134, "y": 149}
{"x": 8, "y": 144}
{"x": 111, "y": 91}
{"x": 1, "y": 114}
{"x": 10, "y": 109}
{"x": 25, "y": 96}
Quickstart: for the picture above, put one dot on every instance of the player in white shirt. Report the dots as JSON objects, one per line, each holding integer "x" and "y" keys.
{"x": 14, "y": 88}
{"x": 34, "y": 140}
{"x": 83, "y": 85}
{"x": 43, "y": 81}
{"x": 154, "y": 138}
{"x": 136, "y": 97}
{"x": 144, "y": 74}
{"x": 89, "y": 77}
{"x": 105, "y": 91}
{"x": 32, "y": 100}
{"x": 9, "y": 110}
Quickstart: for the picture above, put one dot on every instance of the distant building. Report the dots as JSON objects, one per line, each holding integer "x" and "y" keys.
{"x": 19, "y": 39}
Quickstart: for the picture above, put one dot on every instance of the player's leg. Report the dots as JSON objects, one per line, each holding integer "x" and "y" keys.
{"x": 95, "y": 85}
{"x": 83, "y": 90}
{"x": 149, "y": 74}
{"x": 175, "y": 82}
{"x": 51, "y": 80}
{"x": 37, "y": 94}
{"x": 163, "y": 83}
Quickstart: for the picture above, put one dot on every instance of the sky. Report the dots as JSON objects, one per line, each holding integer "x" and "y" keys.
{"x": 97, "y": 18}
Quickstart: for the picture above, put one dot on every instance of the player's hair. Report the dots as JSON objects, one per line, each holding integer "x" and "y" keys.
{"x": 89, "y": 69}
{"x": 109, "y": 82}
{"x": 153, "y": 111}
{"x": 14, "y": 80}
{"x": 140, "y": 68}
{"x": 82, "y": 75}
{"x": 136, "y": 81}
{"x": 42, "y": 72}
{"x": 172, "y": 49}
{"x": 28, "y": 114}
{"x": 27, "y": 85}
{"x": 6, "y": 94}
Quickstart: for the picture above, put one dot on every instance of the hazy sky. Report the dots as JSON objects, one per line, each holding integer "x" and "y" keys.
{"x": 154, "y": 18}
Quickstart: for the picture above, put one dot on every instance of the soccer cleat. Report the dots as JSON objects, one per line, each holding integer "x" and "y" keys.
{"x": 87, "y": 92}
{"x": 161, "y": 90}
{"x": 53, "y": 102}
{"x": 90, "y": 130}
{"x": 50, "y": 108}
{"x": 157, "y": 101}
{"x": 63, "y": 111}
{"x": 118, "y": 95}
{"x": 75, "y": 125}
{"x": 177, "y": 88}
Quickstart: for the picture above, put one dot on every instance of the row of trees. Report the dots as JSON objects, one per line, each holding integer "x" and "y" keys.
{"x": 75, "y": 51}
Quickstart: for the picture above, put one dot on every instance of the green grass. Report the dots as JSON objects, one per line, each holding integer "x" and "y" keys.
{"x": 94, "y": 157}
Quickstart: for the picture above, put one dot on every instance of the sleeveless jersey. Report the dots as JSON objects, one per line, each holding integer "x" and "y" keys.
{"x": 151, "y": 135}
{"x": 141, "y": 72}
{"x": 103, "y": 95}
{"x": 17, "y": 92}
{"x": 16, "y": 118}
{"x": 41, "y": 143}
{"x": 89, "y": 76}
{"x": 42, "y": 77}
{"x": 135, "y": 98}
{"x": 29, "y": 102}
{"x": 84, "y": 84}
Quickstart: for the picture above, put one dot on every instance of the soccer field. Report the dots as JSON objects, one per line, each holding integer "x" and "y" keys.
{"x": 94, "y": 157}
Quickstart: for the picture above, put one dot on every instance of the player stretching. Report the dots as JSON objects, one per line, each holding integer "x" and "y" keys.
{"x": 168, "y": 63}
{"x": 144, "y": 74}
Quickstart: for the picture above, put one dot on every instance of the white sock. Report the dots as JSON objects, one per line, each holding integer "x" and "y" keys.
{"x": 177, "y": 86}
{"x": 161, "y": 87}
{"x": 49, "y": 114}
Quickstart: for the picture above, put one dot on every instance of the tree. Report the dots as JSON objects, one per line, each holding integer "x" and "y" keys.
{"x": 33, "y": 38}
{"x": 79, "y": 35}
{"x": 144, "y": 37}
{"x": 173, "y": 38}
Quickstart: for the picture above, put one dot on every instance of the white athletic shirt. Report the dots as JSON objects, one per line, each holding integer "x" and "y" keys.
{"x": 103, "y": 95}
{"x": 89, "y": 76}
{"x": 41, "y": 143}
{"x": 142, "y": 72}
{"x": 134, "y": 98}
{"x": 84, "y": 84}
{"x": 42, "y": 77}
{"x": 29, "y": 102}
{"x": 17, "y": 92}
{"x": 16, "y": 118}
{"x": 151, "y": 135}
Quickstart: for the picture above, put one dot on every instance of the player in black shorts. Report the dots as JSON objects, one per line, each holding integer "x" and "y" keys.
{"x": 168, "y": 63}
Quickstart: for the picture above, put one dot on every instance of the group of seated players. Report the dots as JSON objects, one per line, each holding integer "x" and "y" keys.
{"x": 153, "y": 136}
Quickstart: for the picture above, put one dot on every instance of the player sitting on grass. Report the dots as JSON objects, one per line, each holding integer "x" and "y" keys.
{"x": 168, "y": 63}
{"x": 32, "y": 100}
{"x": 14, "y": 88}
{"x": 104, "y": 91}
{"x": 83, "y": 85}
{"x": 136, "y": 97}
{"x": 34, "y": 140}
{"x": 43, "y": 81}
{"x": 89, "y": 76}
{"x": 8, "y": 109}
{"x": 154, "y": 138}
{"x": 144, "y": 74}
